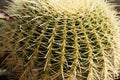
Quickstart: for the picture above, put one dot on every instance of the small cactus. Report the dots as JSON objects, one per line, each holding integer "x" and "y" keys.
{"x": 62, "y": 39}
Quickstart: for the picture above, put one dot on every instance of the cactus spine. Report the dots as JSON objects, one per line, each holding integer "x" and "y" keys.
{"x": 65, "y": 40}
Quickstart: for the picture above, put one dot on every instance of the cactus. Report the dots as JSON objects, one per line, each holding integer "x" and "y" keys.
{"x": 62, "y": 39}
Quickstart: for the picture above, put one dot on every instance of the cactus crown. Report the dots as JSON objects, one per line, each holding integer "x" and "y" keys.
{"x": 66, "y": 40}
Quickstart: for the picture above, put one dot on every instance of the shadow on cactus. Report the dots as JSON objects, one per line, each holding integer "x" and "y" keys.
{"x": 61, "y": 40}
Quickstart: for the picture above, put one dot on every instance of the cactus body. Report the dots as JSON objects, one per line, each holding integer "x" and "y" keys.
{"x": 64, "y": 40}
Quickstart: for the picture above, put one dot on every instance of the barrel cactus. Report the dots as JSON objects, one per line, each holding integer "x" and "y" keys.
{"x": 61, "y": 39}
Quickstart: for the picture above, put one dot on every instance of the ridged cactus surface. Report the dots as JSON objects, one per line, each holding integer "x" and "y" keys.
{"x": 61, "y": 40}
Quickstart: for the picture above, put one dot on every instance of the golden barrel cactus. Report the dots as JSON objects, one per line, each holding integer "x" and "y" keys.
{"x": 61, "y": 40}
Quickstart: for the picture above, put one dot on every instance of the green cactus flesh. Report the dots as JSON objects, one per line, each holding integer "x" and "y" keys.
{"x": 48, "y": 42}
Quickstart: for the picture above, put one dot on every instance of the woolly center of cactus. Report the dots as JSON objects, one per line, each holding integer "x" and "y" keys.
{"x": 70, "y": 6}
